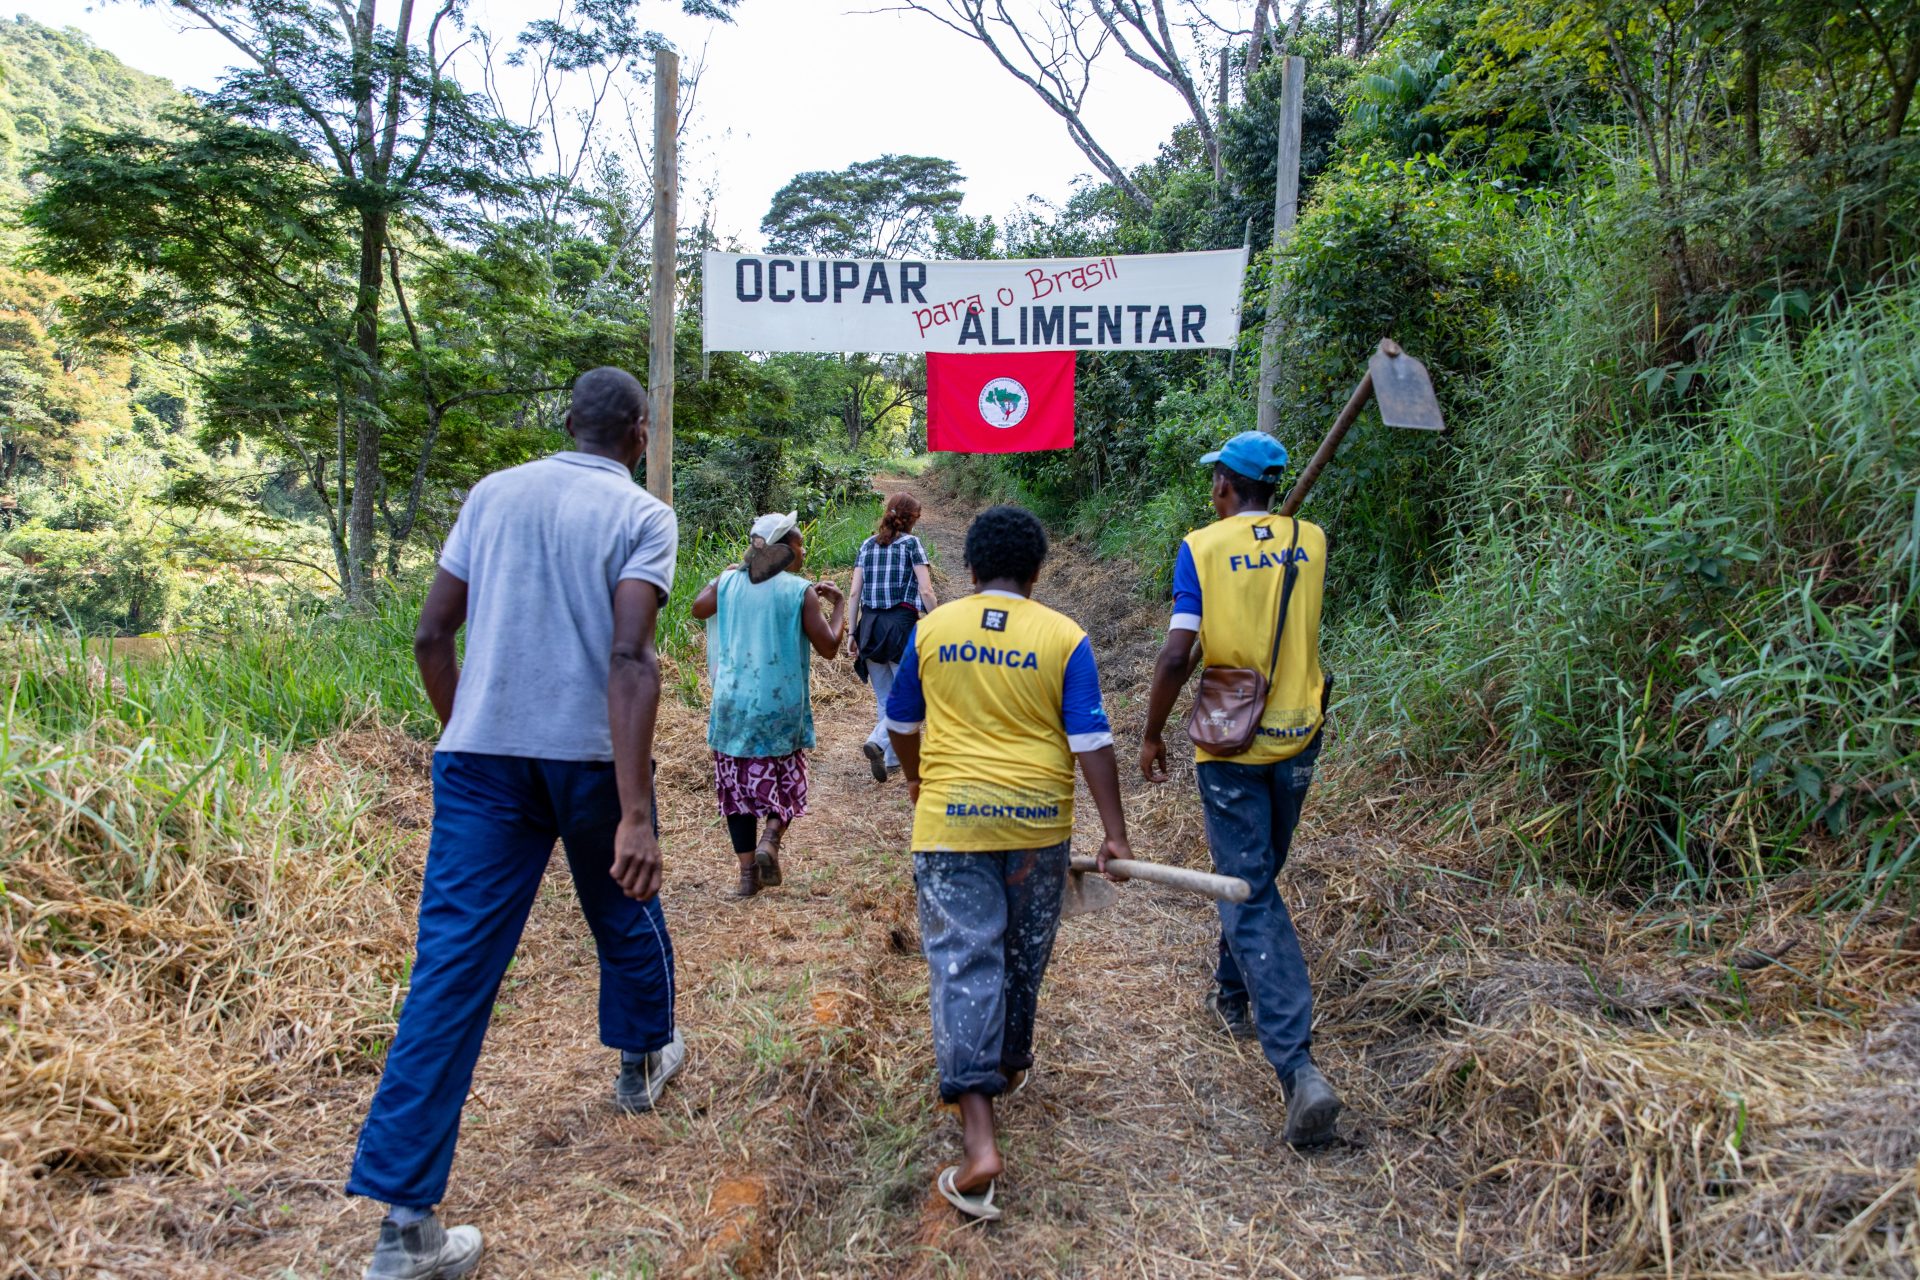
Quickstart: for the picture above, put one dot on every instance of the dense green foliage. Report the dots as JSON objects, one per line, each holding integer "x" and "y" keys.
{"x": 1652, "y": 602}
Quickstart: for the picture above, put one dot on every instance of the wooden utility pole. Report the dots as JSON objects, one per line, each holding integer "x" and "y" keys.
{"x": 1286, "y": 211}
{"x": 666, "y": 253}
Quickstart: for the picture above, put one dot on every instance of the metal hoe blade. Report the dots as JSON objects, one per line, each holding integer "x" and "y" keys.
{"x": 1087, "y": 891}
{"x": 1403, "y": 390}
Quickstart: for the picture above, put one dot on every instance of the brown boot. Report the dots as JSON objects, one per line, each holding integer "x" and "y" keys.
{"x": 749, "y": 882}
{"x": 766, "y": 858}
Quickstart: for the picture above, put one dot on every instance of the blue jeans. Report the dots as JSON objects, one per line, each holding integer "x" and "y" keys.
{"x": 987, "y": 924}
{"x": 495, "y": 819}
{"x": 1251, "y": 811}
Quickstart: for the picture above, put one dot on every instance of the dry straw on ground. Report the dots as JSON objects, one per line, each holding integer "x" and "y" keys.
{"x": 1541, "y": 1082}
{"x": 161, "y": 989}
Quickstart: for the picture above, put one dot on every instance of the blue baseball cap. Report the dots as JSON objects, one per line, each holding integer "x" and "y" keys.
{"x": 1254, "y": 454}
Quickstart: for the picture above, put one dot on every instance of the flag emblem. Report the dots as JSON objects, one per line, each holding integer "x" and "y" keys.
{"x": 999, "y": 401}
{"x": 1003, "y": 403}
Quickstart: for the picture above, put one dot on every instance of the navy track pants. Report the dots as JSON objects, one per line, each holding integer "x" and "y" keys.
{"x": 495, "y": 820}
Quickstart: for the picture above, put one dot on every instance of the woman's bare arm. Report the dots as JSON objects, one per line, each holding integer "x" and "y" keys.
{"x": 823, "y": 633}
{"x": 853, "y": 594}
{"x": 707, "y": 603}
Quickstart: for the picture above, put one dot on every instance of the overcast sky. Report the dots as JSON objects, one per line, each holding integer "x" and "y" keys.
{"x": 792, "y": 85}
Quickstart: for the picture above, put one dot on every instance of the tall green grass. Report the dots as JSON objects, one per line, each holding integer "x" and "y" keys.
{"x": 1683, "y": 631}
{"x": 253, "y": 693}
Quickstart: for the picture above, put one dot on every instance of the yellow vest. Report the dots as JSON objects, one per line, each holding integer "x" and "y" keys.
{"x": 995, "y": 770}
{"x": 1241, "y": 564}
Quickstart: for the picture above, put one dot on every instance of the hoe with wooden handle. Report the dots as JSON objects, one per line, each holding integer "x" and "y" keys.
{"x": 1400, "y": 385}
{"x": 1089, "y": 891}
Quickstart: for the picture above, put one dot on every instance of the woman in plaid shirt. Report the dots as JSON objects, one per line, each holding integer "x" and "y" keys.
{"x": 892, "y": 587}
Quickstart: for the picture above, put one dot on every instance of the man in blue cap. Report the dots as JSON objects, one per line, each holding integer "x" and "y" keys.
{"x": 1231, "y": 591}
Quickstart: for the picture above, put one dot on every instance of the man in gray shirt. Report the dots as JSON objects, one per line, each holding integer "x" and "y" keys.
{"x": 558, "y": 569}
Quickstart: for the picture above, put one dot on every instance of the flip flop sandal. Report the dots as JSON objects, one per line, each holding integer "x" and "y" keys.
{"x": 980, "y": 1207}
{"x": 766, "y": 860}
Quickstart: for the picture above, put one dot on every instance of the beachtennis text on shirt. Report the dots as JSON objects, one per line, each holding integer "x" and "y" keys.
{"x": 1023, "y": 812}
{"x": 769, "y": 302}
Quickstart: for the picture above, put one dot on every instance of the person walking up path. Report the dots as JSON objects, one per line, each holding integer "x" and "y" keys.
{"x": 764, "y": 624}
{"x": 1235, "y": 584}
{"x": 557, "y": 569}
{"x": 1006, "y": 695}
{"x": 892, "y": 587}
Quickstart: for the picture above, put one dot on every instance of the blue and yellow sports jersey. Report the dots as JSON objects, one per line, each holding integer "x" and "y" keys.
{"x": 1226, "y": 586}
{"x": 1006, "y": 691}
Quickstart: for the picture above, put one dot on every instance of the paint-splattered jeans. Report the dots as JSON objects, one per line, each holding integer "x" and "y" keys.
{"x": 987, "y": 924}
{"x": 1252, "y": 810}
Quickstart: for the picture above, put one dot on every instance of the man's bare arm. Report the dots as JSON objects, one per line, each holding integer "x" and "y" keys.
{"x": 1102, "y": 773}
{"x": 633, "y": 704}
{"x": 441, "y": 617}
{"x": 1170, "y": 672}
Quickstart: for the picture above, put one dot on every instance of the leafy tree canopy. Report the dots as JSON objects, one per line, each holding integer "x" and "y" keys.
{"x": 882, "y": 208}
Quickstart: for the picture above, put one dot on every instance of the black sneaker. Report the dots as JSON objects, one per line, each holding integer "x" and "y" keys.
{"x": 1312, "y": 1108}
{"x": 876, "y": 759}
{"x": 424, "y": 1250}
{"x": 1235, "y": 1016}
{"x": 644, "y": 1076}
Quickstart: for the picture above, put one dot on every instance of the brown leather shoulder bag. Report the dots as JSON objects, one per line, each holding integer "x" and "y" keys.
{"x": 1229, "y": 702}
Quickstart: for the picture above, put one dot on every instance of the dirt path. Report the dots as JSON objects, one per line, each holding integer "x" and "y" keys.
{"x": 803, "y": 1138}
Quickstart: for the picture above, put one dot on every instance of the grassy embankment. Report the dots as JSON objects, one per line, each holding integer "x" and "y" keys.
{"x": 1667, "y": 628}
{"x": 195, "y": 899}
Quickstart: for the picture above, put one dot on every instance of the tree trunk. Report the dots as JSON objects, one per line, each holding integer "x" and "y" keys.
{"x": 366, "y": 426}
{"x": 1219, "y": 163}
{"x": 1903, "y": 91}
{"x": 1750, "y": 94}
{"x": 854, "y": 420}
{"x": 1253, "y": 44}
{"x": 1678, "y": 256}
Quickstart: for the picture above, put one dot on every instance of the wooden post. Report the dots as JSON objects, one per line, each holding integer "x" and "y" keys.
{"x": 1286, "y": 211}
{"x": 666, "y": 253}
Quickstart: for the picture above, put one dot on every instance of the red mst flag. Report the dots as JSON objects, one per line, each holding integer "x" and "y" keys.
{"x": 999, "y": 402}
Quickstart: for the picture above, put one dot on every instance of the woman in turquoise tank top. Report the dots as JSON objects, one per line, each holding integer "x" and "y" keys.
{"x": 764, "y": 624}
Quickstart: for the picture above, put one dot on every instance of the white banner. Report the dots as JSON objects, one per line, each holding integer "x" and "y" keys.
{"x": 1147, "y": 302}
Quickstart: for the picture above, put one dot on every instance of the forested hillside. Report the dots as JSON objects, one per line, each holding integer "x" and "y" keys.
{"x": 51, "y": 79}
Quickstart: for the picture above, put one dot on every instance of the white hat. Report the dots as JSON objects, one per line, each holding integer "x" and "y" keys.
{"x": 775, "y": 527}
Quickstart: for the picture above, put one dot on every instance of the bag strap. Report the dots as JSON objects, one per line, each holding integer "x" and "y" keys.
{"x": 1286, "y": 597}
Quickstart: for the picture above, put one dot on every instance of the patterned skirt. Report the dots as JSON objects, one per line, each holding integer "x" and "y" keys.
{"x": 762, "y": 786}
